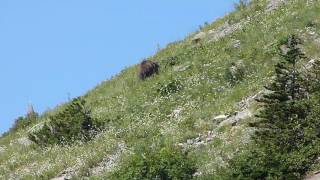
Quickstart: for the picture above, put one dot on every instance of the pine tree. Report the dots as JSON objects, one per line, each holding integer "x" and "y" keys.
{"x": 73, "y": 123}
{"x": 280, "y": 108}
{"x": 287, "y": 135}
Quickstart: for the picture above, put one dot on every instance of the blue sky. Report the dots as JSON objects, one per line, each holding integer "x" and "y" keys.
{"x": 52, "y": 49}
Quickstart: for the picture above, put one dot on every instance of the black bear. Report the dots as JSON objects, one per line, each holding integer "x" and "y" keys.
{"x": 148, "y": 68}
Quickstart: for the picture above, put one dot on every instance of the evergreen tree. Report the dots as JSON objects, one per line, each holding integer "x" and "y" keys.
{"x": 286, "y": 140}
{"x": 73, "y": 123}
{"x": 283, "y": 108}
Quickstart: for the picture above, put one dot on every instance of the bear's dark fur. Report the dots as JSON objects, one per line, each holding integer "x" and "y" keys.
{"x": 148, "y": 68}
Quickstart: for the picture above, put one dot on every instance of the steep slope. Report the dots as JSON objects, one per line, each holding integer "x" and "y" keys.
{"x": 202, "y": 100}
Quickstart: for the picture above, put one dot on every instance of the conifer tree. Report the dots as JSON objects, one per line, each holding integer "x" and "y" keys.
{"x": 280, "y": 109}
{"x": 286, "y": 140}
{"x": 73, "y": 123}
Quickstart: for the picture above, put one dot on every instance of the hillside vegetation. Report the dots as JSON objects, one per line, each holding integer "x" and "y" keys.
{"x": 192, "y": 120}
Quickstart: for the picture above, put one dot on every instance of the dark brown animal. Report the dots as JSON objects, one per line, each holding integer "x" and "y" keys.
{"x": 148, "y": 68}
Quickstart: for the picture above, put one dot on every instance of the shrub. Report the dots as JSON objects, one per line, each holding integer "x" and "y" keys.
{"x": 73, "y": 123}
{"x": 160, "y": 163}
{"x": 311, "y": 24}
{"x": 171, "y": 61}
{"x": 24, "y": 121}
{"x": 241, "y": 5}
{"x": 170, "y": 87}
{"x": 235, "y": 72}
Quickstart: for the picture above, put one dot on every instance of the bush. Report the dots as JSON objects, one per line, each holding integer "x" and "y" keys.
{"x": 163, "y": 163}
{"x": 73, "y": 123}
{"x": 170, "y": 87}
{"x": 241, "y": 5}
{"x": 235, "y": 72}
{"x": 268, "y": 163}
{"x": 24, "y": 121}
{"x": 172, "y": 61}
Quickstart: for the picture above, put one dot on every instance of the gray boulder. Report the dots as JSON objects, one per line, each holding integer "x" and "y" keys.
{"x": 198, "y": 37}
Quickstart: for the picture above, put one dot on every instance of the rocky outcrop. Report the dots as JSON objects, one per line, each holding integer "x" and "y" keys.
{"x": 274, "y": 4}
{"x": 198, "y": 37}
{"x": 2, "y": 149}
{"x": 310, "y": 64}
{"x": 24, "y": 141}
{"x": 236, "y": 43}
{"x": 108, "y": 163}
{"x": 181, "y": 68}
{"x": 226, "y": 120}
{"x": 236, "y": 118}
{"x": 315, "y": 176}
{"x": 246, "y": 102}
{"x": 220, "y": 118}
{"x": 202, "y": 139}
{"x": 63, "y": 176}
{"x": 225, "y": 30}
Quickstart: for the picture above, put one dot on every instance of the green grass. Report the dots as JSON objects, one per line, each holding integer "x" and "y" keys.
{"x": 138, "y": 114}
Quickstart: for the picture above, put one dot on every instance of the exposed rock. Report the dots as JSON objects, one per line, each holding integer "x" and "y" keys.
{"x": 234, "y": 120}
{"x": 224, "y": 30}
{"x": 14, "y": 176}
{"x": 248, "y": 101}
{"x": 181, "y": 68}
{"x": 274, "y": 4}
{"x": 236, "y": 43}
{"x": 108, "y": 163}
{"x": 176, "y": 113}
{"x": 66, "y": 174}
{"x": 315, "y": 176}
{"x": 62, "y": 178}
{"x": 225, "y": 120}
{"x": 243, "y": 115}
{"x": 220, "y": 117}
{"x": 2, "y": 149}
{"x": 190, "y": 141}
{"x": 198, "y": 37}
{"x": 24, "y": 141}
{"x": 70, "y": 171}
{"x": 310, "y": 64}
{"x": 197, "y": 174}
{"x": 201, "y": 139}
{"x": 284, "y": 49}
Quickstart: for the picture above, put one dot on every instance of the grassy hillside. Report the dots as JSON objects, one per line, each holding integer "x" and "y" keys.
{"x": 197, "y": 102}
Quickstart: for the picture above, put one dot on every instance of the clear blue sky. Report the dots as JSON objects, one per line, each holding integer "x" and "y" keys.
{"x": 52, "y": 48}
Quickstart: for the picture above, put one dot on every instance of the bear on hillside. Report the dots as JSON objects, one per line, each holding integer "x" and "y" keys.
{"x": 148, "y": 68}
